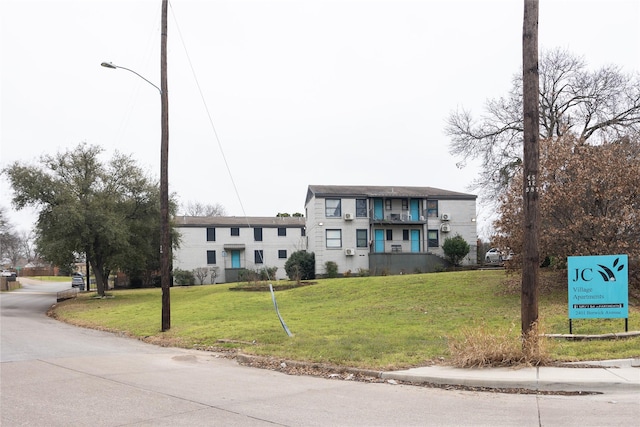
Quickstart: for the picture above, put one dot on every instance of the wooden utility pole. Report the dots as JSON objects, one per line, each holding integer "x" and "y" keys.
{"x": 165, "y": 240}
{"x": 530, "y": 100}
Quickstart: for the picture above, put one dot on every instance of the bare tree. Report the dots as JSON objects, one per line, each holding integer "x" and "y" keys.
{"x": 193, "y": 208}
{"x": 201, "y": 274}
{"x": 589, "y": 202}
{"x": 598, "y": 105}
{"x": 10, "y": 248}
{"x": 27, "y": 240}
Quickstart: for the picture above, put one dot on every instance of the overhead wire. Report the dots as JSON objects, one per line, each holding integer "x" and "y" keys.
{"x": 206, "y": 107}
{"x": 217, "y": 138}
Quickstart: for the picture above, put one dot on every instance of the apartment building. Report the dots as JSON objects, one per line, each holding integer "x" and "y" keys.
{"x": 386, "y": 229}
{"x": 227, "y": 245}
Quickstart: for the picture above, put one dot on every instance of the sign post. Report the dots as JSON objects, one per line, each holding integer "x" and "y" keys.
{"x": 598, "y": 288}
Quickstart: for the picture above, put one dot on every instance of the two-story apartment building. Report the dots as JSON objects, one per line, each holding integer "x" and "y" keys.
{"x": 226, "y": 245}
{"x": 386, "y": 229}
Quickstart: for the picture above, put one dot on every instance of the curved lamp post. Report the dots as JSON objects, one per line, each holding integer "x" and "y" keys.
{"x": 113, "y": 66}
{"x": 165, "y": 240}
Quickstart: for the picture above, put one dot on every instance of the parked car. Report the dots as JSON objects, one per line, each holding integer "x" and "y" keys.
{"x": 493, "y": 255}
{"x": 77, "y": 281}
{"x": 496, "y": 256}
{"x": 9, "y": 273}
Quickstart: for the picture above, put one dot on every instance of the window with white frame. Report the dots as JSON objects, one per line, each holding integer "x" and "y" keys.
{"x": 334, "y": 239}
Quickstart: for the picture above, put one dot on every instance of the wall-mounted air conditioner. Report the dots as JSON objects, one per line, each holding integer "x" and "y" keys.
{"x": 445, "y": 217}
{"x": 445, "y": 228}
{"x": 348, "y": 216}
{"x": 349, "y": 252}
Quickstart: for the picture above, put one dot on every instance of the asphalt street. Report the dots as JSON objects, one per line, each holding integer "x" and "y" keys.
{"x": 53, "y": 374}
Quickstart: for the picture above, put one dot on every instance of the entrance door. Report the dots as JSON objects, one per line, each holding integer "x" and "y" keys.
{"x": 414, "y": 210}
{"x": 235, "y": 259}
{"x": 378, "y": 241}
{"x": 415, "y": 240}
{"x": 378, "y": 209}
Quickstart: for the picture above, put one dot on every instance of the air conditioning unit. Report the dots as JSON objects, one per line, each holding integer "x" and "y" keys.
{"x": 350, "y": 252}
{"x": 445, "y": 217}
{"x": 445, "y": 228}
{"x": 422, "y": 218}
{"x": 348, "y": 216}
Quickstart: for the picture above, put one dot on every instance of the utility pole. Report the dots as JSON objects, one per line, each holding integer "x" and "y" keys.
{"x": 165, "y": 240}
{"x": 530, "y": 100}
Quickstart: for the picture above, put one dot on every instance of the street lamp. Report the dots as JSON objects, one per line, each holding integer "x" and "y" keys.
{"x": 165, "y": 240}
{"x": 113, "y": 66}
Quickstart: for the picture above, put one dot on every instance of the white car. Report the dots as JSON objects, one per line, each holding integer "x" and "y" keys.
{"x": 493, "y": 256}
{"x": 9, "y": 273}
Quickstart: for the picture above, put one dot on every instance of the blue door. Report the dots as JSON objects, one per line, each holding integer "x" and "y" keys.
{"x": 378, "y": 241}
{"x": 235, "y": 259}
{"x": 378, "y": 209}
{"x": 414, "y": 210}
{"x": 415, "y": 240}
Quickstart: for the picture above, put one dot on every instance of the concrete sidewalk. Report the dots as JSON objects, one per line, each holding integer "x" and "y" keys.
{"x": 601, "y": 376}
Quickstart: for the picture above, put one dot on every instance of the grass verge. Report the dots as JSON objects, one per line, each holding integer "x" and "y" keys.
{"x": 386, "y": 322}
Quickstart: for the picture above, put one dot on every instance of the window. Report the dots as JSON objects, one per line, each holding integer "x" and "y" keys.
{"x": 432, "y": 238}
{"x": 389, "y": 234}
{"x": 405, "y": 234}
{"x": 432, "y": 209}
{"x": 361, "y": 208}
{"x": 332, "y": 208}
{"x": 257, "y": 234}
{"x": 282, "y": 231}
{"x": 211, "y": 257}
{"x": 334, "y": 239}
{"x": 361, "y": 238}
{"x": 211, "y": 234}
{"x": 303, "y": 231}
{"x": 405, "y": 204}
{"x": 258, "y": 256}
{"x": 387, "y": 204}
{"x": 235, "y": 231}
{"x": 282, "y": 253}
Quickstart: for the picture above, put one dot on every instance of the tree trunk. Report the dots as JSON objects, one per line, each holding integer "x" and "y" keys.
{"x": 99, "y": 273}
{"x": 530, "y": 250}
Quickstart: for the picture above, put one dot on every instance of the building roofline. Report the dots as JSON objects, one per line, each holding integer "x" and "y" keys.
{"x": 238, "y": 221}
{"x": 385, "y": 191}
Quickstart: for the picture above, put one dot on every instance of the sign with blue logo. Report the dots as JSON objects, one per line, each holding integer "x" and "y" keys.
{"x": 598, "y": 287}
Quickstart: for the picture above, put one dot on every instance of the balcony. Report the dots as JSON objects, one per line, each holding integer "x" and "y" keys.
{"x": 397, "y": 217}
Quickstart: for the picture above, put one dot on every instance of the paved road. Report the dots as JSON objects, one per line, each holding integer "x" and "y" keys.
{"x": 54, "y": 374}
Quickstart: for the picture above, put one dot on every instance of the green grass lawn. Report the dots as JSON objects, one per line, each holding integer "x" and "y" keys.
{"x": 385, "y": 322}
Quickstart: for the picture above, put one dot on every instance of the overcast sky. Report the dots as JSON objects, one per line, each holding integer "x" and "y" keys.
{"x": 300, "y": 92}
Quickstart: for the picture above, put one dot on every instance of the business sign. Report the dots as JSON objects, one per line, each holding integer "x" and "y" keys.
{"x": 598, "y": 287}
